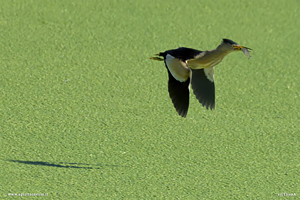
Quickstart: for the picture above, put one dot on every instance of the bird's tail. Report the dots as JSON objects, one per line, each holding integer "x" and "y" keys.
{"x": 157, "y": 58}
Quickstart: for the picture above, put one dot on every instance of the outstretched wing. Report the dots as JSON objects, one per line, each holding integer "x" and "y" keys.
{"x": 204, "y": 87}
{"x": 179, "y": 93}
{"x": 178, "y": 85}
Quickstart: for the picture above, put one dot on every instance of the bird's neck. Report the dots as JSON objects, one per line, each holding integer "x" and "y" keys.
{"x": 208, "y": 58}
{"x": 216, "y": 54}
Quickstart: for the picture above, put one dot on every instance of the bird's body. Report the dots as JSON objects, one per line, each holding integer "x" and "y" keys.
{"x": 190, "y": 66}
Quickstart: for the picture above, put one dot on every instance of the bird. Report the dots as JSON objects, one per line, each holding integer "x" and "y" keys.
{"x": 190, "y": 67}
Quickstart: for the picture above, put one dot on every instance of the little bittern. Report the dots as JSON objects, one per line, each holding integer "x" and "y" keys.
{"x": 190, "y": 66}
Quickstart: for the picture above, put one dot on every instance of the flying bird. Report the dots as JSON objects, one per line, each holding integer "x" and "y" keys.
{"x": 187, "y": 66}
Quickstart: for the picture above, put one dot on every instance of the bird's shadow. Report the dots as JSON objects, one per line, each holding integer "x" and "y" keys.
{"x": 64, "y": 164}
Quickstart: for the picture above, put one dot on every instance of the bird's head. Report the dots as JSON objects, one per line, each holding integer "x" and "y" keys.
{"x": 230, "y": 46}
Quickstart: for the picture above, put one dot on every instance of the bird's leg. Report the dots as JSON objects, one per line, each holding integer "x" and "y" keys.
{"x": 157, "y": 58}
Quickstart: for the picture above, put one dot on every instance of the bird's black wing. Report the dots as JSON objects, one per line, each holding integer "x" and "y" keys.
{"x": 179, "y": 76}
{"x": 204, "y": 87}
{"x": 179, "y": 93}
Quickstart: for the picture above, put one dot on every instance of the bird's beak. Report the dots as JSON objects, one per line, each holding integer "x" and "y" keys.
{"x": 245, "y": 50}
{"x": 237, "y": 47}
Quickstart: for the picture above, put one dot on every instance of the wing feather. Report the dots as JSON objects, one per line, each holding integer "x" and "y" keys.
{"x": 204, "y": 87}
{"x": 178, "y": 84}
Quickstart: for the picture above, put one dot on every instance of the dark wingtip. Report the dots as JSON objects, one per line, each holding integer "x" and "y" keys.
{"x": 182, "y": 111}
{"x": 181, "y": 104}
{"x": 208, "y": 105}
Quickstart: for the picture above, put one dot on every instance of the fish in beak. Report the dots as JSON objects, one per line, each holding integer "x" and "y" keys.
{"x": 245, "y": 50}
